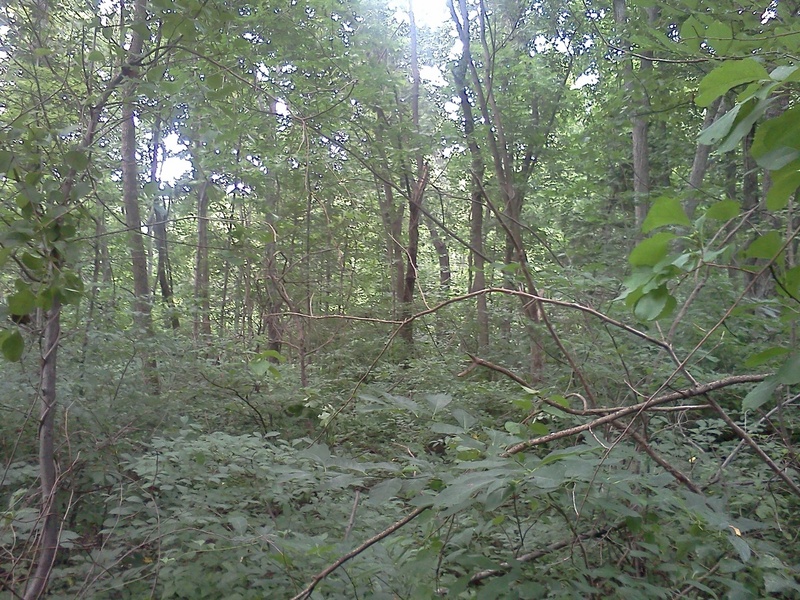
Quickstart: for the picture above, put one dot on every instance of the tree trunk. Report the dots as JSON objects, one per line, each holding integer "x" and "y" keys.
{"x": 477, "y": 171}
{"x": 164, "y": 270}
{"x": 502, "y": 154}
{"x": 392, "y": 217}
{"x": 641, "y": 153}
{"x": 48, "y": 538}
{"x": 442, "y": 254}
{"x": 142, "y": 316}
{"x": 159, "y": 222}
{"x": 416, "y": 192}
{"x": 700, "y": 162}
{"x": 202, "y": 319}
{"x": 133, "y": 220}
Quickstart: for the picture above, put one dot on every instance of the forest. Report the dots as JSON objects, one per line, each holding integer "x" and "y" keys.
{"x": 399, "y": 299}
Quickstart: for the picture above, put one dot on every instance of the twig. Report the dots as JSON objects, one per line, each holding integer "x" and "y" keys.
{"x": 531, "y": 556}
{"x": 640, "y": 440}
{"x": 745, "y": 437}
{"x": 352, "y": 519}
{"x": 353, "y": 553}
{"x": 672, "y": 470}
{"x": 714, "y": 478}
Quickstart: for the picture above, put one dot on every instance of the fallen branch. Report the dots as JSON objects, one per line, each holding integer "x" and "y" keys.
{"x": 636, "y": 408}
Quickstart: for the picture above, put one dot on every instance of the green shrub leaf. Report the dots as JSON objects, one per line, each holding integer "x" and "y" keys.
{"x": 665, "y": 211}
{"x": 727, "y": 76}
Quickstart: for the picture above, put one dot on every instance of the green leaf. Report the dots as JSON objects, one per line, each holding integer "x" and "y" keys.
{"x": 741, "y": 547}
{"x": 438, "y": 401}
{"x": 380, "y": 494}
{"x": 71, "y": 290}
{"x": 767, "y": 246}
{"x": 239, "y": 523}
{"x": 760, "y": 395}
{"x": 655, "y": 304}
{"x": 22, "y": 302}
{"x": 751, "y": 112}
{"x": 784, "y": 183}
{"x": 724, "y": 210}
{"x": 75, "y": 159}
{"x": 783, "y": 72}
{"x": 651, "y": 251}
{"x": 789, "y": 373}
{"x": 777, "y": 141}
{"x": 12, "y": 346}
{"x": 523, "y": 404}
{"x": 719, "y": 128}
{"x": 719, "y": 36}
{"x": 271, "y": 354}
{"x": 727, "y": 76}
{"x": 790, "y": 282}
{"x": 665, "y": 211}
{"x": 759, "y": 358}
{"x": 6, "y": 160}
{"x": 778, "y": 158}
{"x": 96, "y": 56}
{"x": 538, "y": 429}
{"x": 692, "y": 31}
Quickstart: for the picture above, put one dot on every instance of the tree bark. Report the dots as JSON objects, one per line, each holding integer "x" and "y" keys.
{"x": 202, "y": 319}
{"x": 700, "y": 162}
{"x": 142, "y": 316}
{"x": 639, "y": 120}
{"x": 477, "y": 171}
{"x": 164, "y": 269}
{"x": 48, "y": 538}
{"x": 416, "y": 195}
{"x": 442, "y": 254}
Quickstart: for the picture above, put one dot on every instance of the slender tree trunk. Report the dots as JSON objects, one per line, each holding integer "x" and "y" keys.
{"x": 164, "y": 269}
{"x": 226, "y": 277}
{"x": 502, "y": 155}
{"x": 641, "y": 153}
{"x": 700, "y": 162}
{"x": 477, "y": 171}
{"x": 442, "y": 254}
{"x": 159, "y": 222}
{"x": 133, "y": 220}
{"x": 417, "y": 191}
{"x": 48, "y": 538}
{"x": 392, "y": 216}
{"x": 202, "y": 319}
{"x": 130, "y": 197}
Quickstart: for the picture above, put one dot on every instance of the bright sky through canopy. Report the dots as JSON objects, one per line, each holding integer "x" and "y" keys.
{"x": 430, "y": 13}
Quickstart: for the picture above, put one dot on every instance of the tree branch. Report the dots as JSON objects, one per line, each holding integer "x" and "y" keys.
{"x": 353, "y": 553}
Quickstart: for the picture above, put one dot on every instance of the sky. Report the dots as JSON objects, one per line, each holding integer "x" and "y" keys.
{"x": 429, "y": 13}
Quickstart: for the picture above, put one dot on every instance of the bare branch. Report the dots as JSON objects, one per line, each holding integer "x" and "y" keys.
{"x": 353, "y": 553}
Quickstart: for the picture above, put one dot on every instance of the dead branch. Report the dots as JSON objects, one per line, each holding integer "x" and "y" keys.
{"x": 699, "y": 390}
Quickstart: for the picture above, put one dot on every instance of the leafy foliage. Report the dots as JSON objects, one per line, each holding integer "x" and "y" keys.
{"x": 610, "y": 413}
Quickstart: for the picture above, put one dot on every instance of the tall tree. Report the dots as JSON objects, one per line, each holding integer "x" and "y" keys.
{"x": 415, "y": 188}
{"x": 142, "y": 306}
{"x": 202, "y": 319}
{"x": 513, "y": 145}
{"x": 635, "y": 88}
